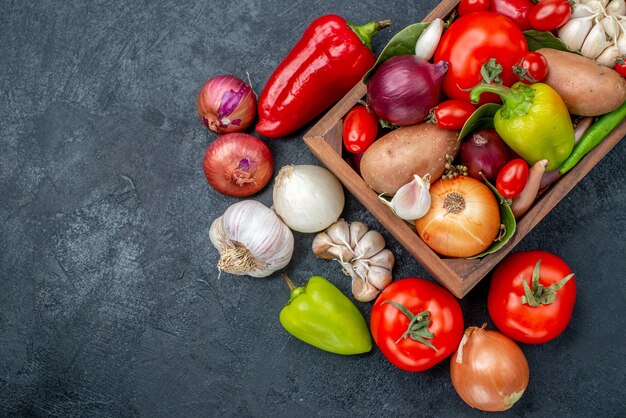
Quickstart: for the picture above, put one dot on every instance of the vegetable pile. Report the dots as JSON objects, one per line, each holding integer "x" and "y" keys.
{"x": 465, "y": 123}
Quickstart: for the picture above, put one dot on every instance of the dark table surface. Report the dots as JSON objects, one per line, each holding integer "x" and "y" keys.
{"x": 110, "y": 302}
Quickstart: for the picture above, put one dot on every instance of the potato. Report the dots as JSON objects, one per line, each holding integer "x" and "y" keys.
{"x": 587, "y": 88}
{"x": 393, "y": 160}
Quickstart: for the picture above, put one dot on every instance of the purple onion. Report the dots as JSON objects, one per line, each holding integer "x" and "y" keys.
{"x": 404, "y": 89}
{"x": 484, "y": 151}
{"x": 226, "y": 104}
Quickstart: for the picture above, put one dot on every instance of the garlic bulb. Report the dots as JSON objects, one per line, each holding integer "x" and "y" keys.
{"x": 595, "y": 42}
{"x": 412, "y": 200}
{"x": 308, "y": 198}
{"x": 429, "y": 39}
{"x": 361, "y": 253}
{"x": 251, "y": 240}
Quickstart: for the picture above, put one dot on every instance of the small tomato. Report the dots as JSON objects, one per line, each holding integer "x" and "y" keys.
{"x": 360, "y": 128}
{"x": 452, "y": 114}
{"x": 532, "y": 69}
{"x": 512, "y": 178}
{"x": 620, "y": 65}
{"x": 549, "y": 14}
{"x": 469, "y": 6}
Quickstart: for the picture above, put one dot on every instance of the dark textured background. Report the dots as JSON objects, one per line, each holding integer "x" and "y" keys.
{"x": 110, "y": 304}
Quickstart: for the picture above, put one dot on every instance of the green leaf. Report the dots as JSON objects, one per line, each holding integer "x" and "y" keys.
{"x": 537, "y": 39}
{"x": 402, "y": 42}
{"x": 481, "y": 118}
{"x": 506, "y": 218}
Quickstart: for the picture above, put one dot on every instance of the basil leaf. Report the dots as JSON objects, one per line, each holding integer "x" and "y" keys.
{"x": 480, "y": 119}
{"x": 538, "y": 39}
{"x": 402, "y": 42}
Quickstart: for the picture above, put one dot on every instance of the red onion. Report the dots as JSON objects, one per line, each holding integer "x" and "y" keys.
{"x": 404, "y": 89}
{"x": 484, "y": 151}
{"x": 238, "y": 164}
{"x": 226, "y": 104}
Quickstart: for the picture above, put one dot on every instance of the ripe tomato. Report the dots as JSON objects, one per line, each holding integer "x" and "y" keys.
{"x": 411, "y": 348}
{"x": 532, "y": 69}
{"x": 516, "y": 10}
{"x": 469, "y": 43}
{"x": 518, "y": 319}
{"x": 469, "y": 6}
{"x": 360, "y": 128}
{"x": 620, "y": 65}
{"x": 452, "y": 114}
{"x": 512, "y": 178}
{"x": 549, "y": 14}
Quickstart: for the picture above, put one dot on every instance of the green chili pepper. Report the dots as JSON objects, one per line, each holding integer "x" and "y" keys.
{"x": 596, "y": 133}
{"x": 320, "y": 315}
{"x": 533, "y": 121}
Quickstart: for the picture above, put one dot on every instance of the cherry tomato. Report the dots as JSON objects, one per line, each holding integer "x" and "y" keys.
{"x": 469, "y": 43}
{"x": 620, "y": 65}
{"x": 360, "y": 128}
{"x": 429, "y": 340}
{"x": 469, "y": 6}
{"x": 517, "y": 317}
{"x": 452, "y": 114}
{"x": 549, "y": 14}
{"x": 516, "y": 10}
{"x": 532, "y": 69}
{"x": 512, "y": 178}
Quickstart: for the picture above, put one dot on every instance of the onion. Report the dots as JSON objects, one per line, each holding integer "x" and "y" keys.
{"x": 484, "y": 151}
{"x": 463, "y": 220}
{"x": 226, "y": 104}
{"x": 308, "y": 198}
{"x": 404, "y": 89}
{"x": 238, "y": 164}
{"x": 489, "y": 371}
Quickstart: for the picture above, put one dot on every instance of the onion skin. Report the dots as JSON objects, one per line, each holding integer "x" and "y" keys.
{"x": 404, "y": 89}
{"x": 226, "y": 104}
{"x": 238, "y": 164}
{"x": 484, "y": 151}
{"x": 489, "y": 371}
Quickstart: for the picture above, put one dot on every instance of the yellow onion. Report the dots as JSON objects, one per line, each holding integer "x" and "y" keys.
{"x": 463, "y": 220}
{"x": 489, "y": 371}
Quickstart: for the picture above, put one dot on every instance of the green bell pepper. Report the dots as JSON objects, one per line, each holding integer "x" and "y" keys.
{"x": 533, "y": 121}
{"x": 320, "y": 315}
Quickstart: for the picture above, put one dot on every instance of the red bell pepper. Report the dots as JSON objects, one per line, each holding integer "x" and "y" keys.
{"x": 329, "y": 59}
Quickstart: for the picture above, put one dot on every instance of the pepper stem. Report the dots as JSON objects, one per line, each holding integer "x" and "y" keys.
{"x": 539, "y": 295}
{"x": 292, "y": 286}
{"x": 517, "y": 100}
{"x": 367, "y": 31}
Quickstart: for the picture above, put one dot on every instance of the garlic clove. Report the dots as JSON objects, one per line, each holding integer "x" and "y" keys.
{"x": 412, "y": 200}
{"x": 384, "y": 258}
{"x": 357, "y": 230}
{"x": 595, "y": 42}
{"x": 372, "y": 243}
{"x": 574, "y": 32}
{"x": 595, "y": 4}
{"x": 363, "y": 291}
{"x": 581, "y": 10}
{"x": 621, "y": 43}
{"x": 611, "y": 26}
{"x": 379, "y": 277}
{"x": 429, "y": 39}
{"x": 608, "y": 56}
{"x": 339, "y": 232}
{"x": 321, "y": 244}
{"x": 616, "y": 7}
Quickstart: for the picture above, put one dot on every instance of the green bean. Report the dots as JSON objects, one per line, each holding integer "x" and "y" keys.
{"x": 596, "y": 133}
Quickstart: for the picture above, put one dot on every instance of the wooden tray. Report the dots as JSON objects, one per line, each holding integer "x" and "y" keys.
{"x": 458, "y": 275}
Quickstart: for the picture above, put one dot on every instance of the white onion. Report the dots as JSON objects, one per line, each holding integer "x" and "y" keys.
{"x": 308, "y": 198}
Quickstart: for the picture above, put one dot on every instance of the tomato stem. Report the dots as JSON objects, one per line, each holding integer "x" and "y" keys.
{"x": 538, "y": 294}
{"x": 418, "y": 325}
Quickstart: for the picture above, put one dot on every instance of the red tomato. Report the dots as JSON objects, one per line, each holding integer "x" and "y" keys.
{"x": 442, "y": 329}
{"x": 620, "y": 65}
{"x": 469, "y": 43}
{"x": 360, "y": 128}
{"x": 512, "y": 178}
{"x": 469, "y": 6}
{"x": 549, "y": 14}
{"x": 516, "y": 10}
{"x": 452, "y": 114}
{"x": 519, "y": 320}
{"x": 533, "y": 68}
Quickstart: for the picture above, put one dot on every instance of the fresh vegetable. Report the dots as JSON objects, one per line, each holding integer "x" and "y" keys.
{"x": 523, "y": 202}
{"x": 471, "y": 44}
{"x": 404, "y": 89}
{"x": 251, "y": 240}
{"x": 319, "y": 314}
{"x": 393, "y": 160}
{"x": 512, "y": 178}
{"x": 463, "y": 220}
{"x": 452, "y": 114}
{"x": 580, "y": 82}
{"x": 533, "y": 68}
{"x": 429, "y": 39}
{"x": 416, "y": 324}
{"x": 469, "y": 6}
{"x": 238, "y": 164}
{"x": 412, "y": 200}
{"x": 226, "y": 104}
{"x": 533, "y": 121}
{"x": 620, "y": 66}
{"x": 531, "y": 296}
{"x": 516, "y": 10}
{"x": 360, "y": 129}
{"x": 596, "y": 133}
{"x": 308, "y": 198}
{"x": 361, "y": 253}
{"x": 484, "y": 152}
{"x": 329, "y": 59}
{"x": 489, "y": 371}
{"x": 549, "y": 14}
